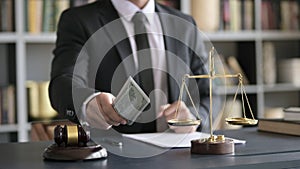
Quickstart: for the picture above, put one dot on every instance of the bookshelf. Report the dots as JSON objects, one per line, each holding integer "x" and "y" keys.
{"x": 235, "y": 43}
{"x": 33, "y": 55}
{"x": 38, "y": 47}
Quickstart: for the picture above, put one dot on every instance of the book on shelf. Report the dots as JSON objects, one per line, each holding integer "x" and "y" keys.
{"x": 38, "y": 132}
{"x": 43, "y": 15}
{"x": 281, "y": 15}
{"x": 235, "y": 66}
{"x": 59, "y": 7}
{"x": 288, "y": 71}
{"x": 235, "y": 15}
{"x": 7, "y": 15}
{"x": 229, "y": 65}
{"x": 279, "y": 126}
{"x": 247, "y": 7}
{"x": 292, "y": 114}
{"x": 7, "y": 105}
{"x": 206, "y": 14}
{"x": 222, "y": 67}
{"x": 7, "y": 81}
{"x": 231, "y": 15}
{"x": 48, "y": 16}
{"x": 39, "y": 106}
{"x": 34, "y": 14}
{"x": 269, "y": 62}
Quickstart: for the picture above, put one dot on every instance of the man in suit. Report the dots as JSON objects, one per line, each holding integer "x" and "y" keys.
{"x": 96, "y": 52}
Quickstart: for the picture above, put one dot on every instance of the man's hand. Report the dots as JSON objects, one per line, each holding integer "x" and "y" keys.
{"x": 101, "y": 114}
{"x": 169, "y": 111}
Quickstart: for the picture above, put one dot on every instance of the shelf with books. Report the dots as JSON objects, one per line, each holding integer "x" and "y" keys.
{"x": 250, "y": 46}
{"x": 228, "y": 15}
{"x": 43, "y": 15}
{"x": 239, "y": 42}
{"x": 33, "y": 48}
{"x": 280, "y": 66}
{"x": 280, "y": 15}
{"x": 8, "y": 115}
{"x": 245, "y": 44}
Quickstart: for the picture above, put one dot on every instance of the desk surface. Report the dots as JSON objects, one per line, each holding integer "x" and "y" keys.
{"x": 262, "y": 150}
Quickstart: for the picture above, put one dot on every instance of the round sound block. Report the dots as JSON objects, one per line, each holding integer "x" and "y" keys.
{"x": 205, "y": 146}
{"x": 72, "y": 153}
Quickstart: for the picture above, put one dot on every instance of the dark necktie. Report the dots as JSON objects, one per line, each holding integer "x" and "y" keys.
{"x": 145, "y": 72}
{"x": 145, "y": 76}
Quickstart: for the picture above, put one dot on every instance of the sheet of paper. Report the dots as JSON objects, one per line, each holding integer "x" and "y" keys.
{"x": 171, "y": 140}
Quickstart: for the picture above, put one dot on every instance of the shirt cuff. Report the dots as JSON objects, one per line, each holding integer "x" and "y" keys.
{"x": 84, "y": 105}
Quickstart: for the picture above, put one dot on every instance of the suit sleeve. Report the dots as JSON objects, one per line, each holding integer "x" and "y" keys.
{"x": 64, "y": 84}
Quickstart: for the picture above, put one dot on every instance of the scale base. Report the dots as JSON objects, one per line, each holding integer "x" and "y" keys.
{"x": 73, "y": 153}
{"x": 215, "y": 146}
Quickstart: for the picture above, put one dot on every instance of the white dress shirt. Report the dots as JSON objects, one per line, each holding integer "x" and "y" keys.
{"x": 126, "y": 11}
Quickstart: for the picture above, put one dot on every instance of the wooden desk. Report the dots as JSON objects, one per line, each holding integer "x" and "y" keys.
{"x": 262, "y": 150}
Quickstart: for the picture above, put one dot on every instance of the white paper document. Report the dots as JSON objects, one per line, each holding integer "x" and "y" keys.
{"x": 172, "y": 140}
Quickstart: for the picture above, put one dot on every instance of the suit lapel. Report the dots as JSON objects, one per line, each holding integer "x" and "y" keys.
{"x": 172, "y": 51}
{"x": 118, "y": 35}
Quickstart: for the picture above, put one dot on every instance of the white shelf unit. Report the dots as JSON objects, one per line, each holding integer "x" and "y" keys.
{"x": 280, "y": 95}
{"x": 28, "y": 43}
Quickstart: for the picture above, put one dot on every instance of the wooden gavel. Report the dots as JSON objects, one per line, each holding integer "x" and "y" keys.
{"x": 70, "y": 135}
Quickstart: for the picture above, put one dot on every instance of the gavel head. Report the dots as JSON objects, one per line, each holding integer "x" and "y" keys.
{"x": 70, "y": 135}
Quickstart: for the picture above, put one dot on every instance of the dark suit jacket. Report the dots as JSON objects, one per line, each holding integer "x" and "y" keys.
{"x": 98, "y": 57}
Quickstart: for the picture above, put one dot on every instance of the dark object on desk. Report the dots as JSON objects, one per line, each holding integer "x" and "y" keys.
{"x": 213, "y": 145}
{"x": 70, "y": 135}
{"x": 73, "y": 143}
{"x": 279, "y": 126}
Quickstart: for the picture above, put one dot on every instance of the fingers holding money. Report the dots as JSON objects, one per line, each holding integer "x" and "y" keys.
{"x": 95, "y": 117}
{"x": 104, "y": 101}
{"x": 170, "y": 111}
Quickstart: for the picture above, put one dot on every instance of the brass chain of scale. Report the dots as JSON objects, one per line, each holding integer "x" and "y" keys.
{"x": 185, "y": 122}
{"x": 244, "y": 120}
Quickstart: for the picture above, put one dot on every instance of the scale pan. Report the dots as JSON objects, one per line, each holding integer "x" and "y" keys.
{"x": 241, "y": 121}
{"x": 184, "y": 122}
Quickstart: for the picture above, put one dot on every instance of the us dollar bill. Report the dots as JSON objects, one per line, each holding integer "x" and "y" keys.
{"x": 130, "y": 101}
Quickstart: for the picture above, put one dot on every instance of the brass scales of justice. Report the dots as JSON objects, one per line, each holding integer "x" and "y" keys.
{"x": 214, "y": 144}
